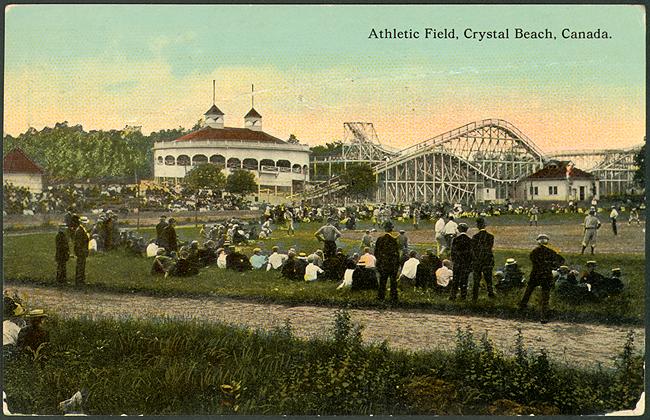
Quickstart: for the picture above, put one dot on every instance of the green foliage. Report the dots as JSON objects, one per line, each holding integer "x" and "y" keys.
{"x": 360, "y": 180}
{"x": 68, "y": 153}
{"x": 293, "y": 139}
{"x": 328, "y": 150}
{"x": 241, "y": 182}
{"x": 639, "y": 160}
{"x": 171, "y": 367}
{"x": 205, "y": 176}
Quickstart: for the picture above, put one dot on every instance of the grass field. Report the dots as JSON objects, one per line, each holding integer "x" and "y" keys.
{"x": 30, "y": 258}
{"x": 165, "y": 367}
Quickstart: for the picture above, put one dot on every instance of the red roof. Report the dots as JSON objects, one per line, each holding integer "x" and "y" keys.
{"x": 230, "y": 133}
{"x": 17, "y": 161}
{"x": 558, "y": 171}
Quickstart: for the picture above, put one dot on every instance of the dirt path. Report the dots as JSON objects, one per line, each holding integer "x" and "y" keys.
{"x": 415, "y": 330}
{"x": 566, "y": 238}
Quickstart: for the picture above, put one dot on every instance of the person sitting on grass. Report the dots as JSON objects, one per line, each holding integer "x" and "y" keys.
{"x": 594, "y": 279}
{"x": 568, "y": 289}
{"x": 34, "y": 334}
{"x": 208, "y": 254}
{"x": 288, "y": 269}
{"x": 364, "y": 277}
{"x": 318, "y": 257}
{"x": 511, "y": 277}
{"x": 426, "y": 272}
{"x": 152, "y": 249}
{"x": 193, "y": 256}
{"x": 237, "y": 261}
{"x": 222, "y": 254}
{"x": 162, "y": 264}
{"x": 348, "y": 276}
{"x": 312, "y": 271}
{"x": 301, "y": 266}
{"x": 409, "y": 270}
{"x": 276, "y": 259}
{"x": 258, "y": 260}
{"x": 368, "y": 260}
{"x": 184, "y": 265}
{"x": 444, "y": 276}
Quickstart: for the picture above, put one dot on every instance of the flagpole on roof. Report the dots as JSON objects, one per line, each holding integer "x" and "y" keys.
{"x": 213, "y": 91}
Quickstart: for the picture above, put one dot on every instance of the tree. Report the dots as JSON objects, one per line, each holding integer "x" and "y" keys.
{"x": 639, "y": 160}
{"x": 240, "y": 183}
{"x": 359, "y": 180}
{"x": 293, "y": 139}
{"x": 204, "y": 176}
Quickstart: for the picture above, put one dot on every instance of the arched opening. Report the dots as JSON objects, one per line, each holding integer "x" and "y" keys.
{"x": 296, "y": 168}
{"x": 305, "y": 169}
{"x": 283, "y": 165}
{"x": 183, "y": 160}
{"x": 169, "y": 160}
{"x": 218, "y": 160}
{"x": 250, "y": 164}
{"x": 267, "y": 162}
{"x": 199, "y": 159}
{"x": 161, "y": 160}
{"x": 234, "y": 163}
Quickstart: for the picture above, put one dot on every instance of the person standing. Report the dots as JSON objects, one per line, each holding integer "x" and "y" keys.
{"x": 80, "y": 239}
{"x": 591, "y": 226}
{"x": 439, "y": 229}
{"x": 544, "y": 260}
{"x": 288, "y": 217}
{"x": 450, "y": 231}
{"x": 328, "y": 234}
{"x": 482, "y": 258}
{"x": 169, "y": 236}
{"x": 534, "y": 212}
{"x": 160, "y": 229}
{"x": 416, "y": 218}
{"x": 461, "y": 256}
{"x": 387, "y": 254}
{"x": 403, "y": 241}
{"x": 613, "y": 215}
{"x": 62, "y": 254}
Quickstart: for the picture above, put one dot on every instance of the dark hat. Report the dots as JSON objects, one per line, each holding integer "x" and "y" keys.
{"x": 480, "y": 221}
{"x": 388, "y": 225}
{"x": 462, "y": 227}
{"x": 75, "y": 219}
{"x": 172, "y": 220}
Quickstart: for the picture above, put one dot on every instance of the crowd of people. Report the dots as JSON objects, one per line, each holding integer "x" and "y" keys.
{"x": 385, "y": 261}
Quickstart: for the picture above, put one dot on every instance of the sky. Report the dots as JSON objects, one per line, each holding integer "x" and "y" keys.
{"x": 314, "y": 68}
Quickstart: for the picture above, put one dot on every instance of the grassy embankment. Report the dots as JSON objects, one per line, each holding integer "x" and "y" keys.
{"x": 30, "y": 259}
{"x": 164, "y": 367}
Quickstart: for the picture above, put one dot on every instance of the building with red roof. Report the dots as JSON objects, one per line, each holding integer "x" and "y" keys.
{"x": 21, "y": 171}
{"x": 280, "y": 168}
{"x": 558, "y": 181}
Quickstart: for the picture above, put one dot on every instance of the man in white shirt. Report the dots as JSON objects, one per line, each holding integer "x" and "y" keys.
{"x": 439, "y": 229}
{"x": 276, "y": 259}
{"x": 312, "y": 270}
{"x": 450, "y": 231}
{"x": 409, "y": 270}
{"x": 613, "y": 215}
{"x": 152, "y": 249}
{"x": 444, "y": 275}
{"x": 368, "y": 260}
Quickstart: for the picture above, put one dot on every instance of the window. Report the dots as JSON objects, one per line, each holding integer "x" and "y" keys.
{"x": 534, "y": 190}
{"x": 552, "y": 190}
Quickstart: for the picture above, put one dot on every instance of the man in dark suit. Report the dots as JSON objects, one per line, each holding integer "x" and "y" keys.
{"x": 80, "y": 239}
{"x": 169, "y": 235}
{"x": 387, "y": 254}
{"x": 461, "y": 256}
{"x": 160, "y": 229}
{"x": 483, "y": 259}
{"x": 544, "y": 260}
{"x": 62, "y": 254}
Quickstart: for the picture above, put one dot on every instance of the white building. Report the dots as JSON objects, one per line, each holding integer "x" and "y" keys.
{"x": 557, "y": 181}
{"x": 20, "y": 171}
{"x": 280, "y": 168}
